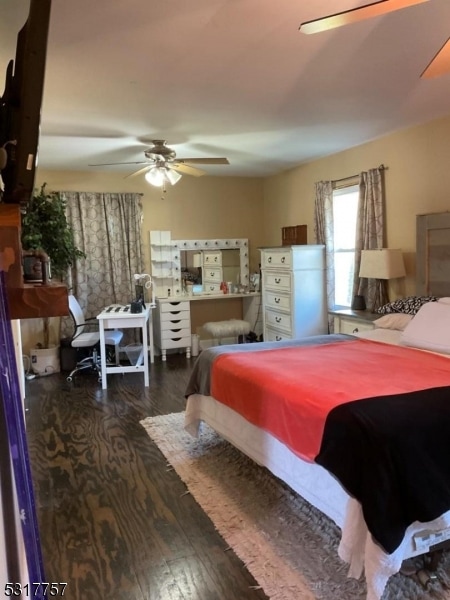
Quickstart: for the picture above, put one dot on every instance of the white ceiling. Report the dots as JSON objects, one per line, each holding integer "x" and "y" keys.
{"x": 231, "y": 78}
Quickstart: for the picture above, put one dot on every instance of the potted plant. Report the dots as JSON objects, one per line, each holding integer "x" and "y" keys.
{"x": 46, "y": 232}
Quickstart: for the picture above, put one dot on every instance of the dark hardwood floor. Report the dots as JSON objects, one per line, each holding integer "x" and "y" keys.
{"x": 114, "y": 520}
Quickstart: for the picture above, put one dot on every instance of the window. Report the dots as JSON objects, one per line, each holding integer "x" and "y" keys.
{"x": 345, "y": 207}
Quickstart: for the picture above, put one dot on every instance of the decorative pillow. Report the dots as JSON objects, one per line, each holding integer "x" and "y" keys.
{"x": 393, "y": 321}
{"x": 430, "y": 328}
{"x": 409, "y": 305}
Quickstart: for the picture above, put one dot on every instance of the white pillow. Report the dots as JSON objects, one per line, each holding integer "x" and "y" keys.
{"x": 430, "y": 328}
{"x": 393, "y": 321}
{"x": 445, "y": 300}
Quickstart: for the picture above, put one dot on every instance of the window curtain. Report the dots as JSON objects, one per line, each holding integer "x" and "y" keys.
{"x": 324, "y": 232}
{"x": 108, "y": 229}
{"x": 369, "y": 230}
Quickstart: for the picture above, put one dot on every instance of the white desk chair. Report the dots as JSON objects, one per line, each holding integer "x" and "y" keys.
{"x": 90, "y": 339}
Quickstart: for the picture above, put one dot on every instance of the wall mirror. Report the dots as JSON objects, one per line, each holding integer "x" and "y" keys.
{"x": 168, "y": 276}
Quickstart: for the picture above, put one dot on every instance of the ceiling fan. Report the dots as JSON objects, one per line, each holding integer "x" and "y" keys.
{"x": 162, "y": 166}
{"x": 439, "y": 65}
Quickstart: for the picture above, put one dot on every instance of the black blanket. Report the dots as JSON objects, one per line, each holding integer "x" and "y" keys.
{"x": 393, "y": 455}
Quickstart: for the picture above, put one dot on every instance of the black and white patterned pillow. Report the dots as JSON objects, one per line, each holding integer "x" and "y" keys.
{"x": 409, "y": 305}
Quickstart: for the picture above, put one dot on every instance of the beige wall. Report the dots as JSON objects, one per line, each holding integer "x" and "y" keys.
{"x": 196, "y": 208}
{"x": 417, "y": 181}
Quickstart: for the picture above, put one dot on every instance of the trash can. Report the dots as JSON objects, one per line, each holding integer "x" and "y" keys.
{"x": 67, "y": 355}
{"x": 133, "y": 352}
{"x": 194, "y": 344}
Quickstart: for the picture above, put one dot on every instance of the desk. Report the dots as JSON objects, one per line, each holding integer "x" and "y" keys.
{"x": 120, "y": 318}
{"x": 174, "y": 323}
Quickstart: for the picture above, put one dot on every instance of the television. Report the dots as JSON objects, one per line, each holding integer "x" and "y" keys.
{"x": 20, "y": 106}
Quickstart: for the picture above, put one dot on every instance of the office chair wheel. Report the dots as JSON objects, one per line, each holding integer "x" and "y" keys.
{"x": 69, "y": 378}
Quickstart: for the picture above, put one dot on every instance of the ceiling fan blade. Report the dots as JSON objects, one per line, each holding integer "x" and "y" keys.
{"x": 204, "y": 161}
{"x": 186, "y": 169}
{"x": 374, "y": 9}
{"x": 440, "y": 64}
{"x": 140, "y": 162}
{"x": 139, "y": 171}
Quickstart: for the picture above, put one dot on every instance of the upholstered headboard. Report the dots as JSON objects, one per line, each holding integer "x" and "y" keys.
{"x": 433, "y": 254}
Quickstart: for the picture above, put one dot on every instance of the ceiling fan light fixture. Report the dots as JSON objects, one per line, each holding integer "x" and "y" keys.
{"x": 159, "y": 176}
{"x": 173, "y": 176}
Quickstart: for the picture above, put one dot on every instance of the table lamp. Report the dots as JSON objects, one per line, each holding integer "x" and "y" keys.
{"x": 197, "y": 264}
{"x": 382, "y": 264}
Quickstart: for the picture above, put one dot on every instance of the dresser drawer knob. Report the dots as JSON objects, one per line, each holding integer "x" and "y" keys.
{"x": 277, "y": 300}
{"x": 269, "y": 260}
{"x": 278, "y": 319}
{"x": 283, "y": 259}
{"x": 278, "y": 338}
{"x": 277, "y": 280}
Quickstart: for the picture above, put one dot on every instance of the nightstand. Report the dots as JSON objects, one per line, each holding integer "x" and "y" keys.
{"x": 353, "y": 321}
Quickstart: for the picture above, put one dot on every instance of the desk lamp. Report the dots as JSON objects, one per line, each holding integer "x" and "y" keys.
{"x": 144, "y": 281}
{"x": 381, "y": 264}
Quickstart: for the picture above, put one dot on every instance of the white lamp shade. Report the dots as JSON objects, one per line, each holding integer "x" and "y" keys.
{"x": 173, "y": 176}
{"x": 383, "y": 263}
{"x": 197, "y": 260}
{"x": 158, "y": 176}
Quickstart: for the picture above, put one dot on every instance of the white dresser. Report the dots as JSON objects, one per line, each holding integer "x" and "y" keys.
{"x": 219, "y": 266}
{"x": 293, "y": 292}
{"x": 172, "y": 325}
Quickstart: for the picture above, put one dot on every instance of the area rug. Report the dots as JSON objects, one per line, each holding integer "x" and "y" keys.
{"x": 289, "y": 547}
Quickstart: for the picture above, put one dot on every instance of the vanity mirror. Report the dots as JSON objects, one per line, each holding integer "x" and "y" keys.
{"x": 168, "y": 258}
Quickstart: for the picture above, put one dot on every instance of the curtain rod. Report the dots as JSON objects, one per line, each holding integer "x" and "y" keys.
{"x": 381, "y": 167}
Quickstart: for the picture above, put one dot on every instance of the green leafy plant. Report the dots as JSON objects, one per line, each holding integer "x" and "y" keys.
{"x": 45, "y": 227}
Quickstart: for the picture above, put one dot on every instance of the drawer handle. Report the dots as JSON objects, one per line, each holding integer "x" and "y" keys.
{"x": 278, "y": 338}
{"x": 269, "y": 260}
{"x": 175, "y": 321}
{"x": 175, "y": 312}
{"x": 283, "y": 259}
{"x": 278, "y": 319}
{"x": 212, "y": 274}
{"x": 175, "y": 330}
{"x": 277, "y": 300}
{"x": 216, "y": 258}
{"x": 356, "y": 330}
{"x": 277, "y": 280}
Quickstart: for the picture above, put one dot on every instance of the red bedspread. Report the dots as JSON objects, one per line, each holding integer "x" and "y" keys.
{"x": 290, "y": 391}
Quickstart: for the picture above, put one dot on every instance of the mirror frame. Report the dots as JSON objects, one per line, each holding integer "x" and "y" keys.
{"x": 215, "y": 244}
{"x": 172, "y": 279}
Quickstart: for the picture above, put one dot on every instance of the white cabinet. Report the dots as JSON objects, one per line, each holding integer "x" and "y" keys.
{"x": 172, "y": 325}
{"x": 165, "y": 264}
{"x": 293, "y": 292}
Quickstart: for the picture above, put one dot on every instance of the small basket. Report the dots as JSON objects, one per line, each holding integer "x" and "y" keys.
{"x": 133, "y": 353}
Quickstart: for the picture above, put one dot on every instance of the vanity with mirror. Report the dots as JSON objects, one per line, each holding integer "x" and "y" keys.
{"x": 188, "y": 278}
{"x": 173, "y": 262}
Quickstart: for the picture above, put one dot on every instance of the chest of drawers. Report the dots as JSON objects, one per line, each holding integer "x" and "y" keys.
{"x": 172, "y": 325}
{"x": 220, "y": 266}
{"x": 293, "y": 292}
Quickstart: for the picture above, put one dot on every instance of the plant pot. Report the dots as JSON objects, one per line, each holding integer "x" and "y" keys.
{"x": 45, "y": 361}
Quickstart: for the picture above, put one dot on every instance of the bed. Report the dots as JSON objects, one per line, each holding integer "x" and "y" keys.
{"x": 390, "y": 504}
